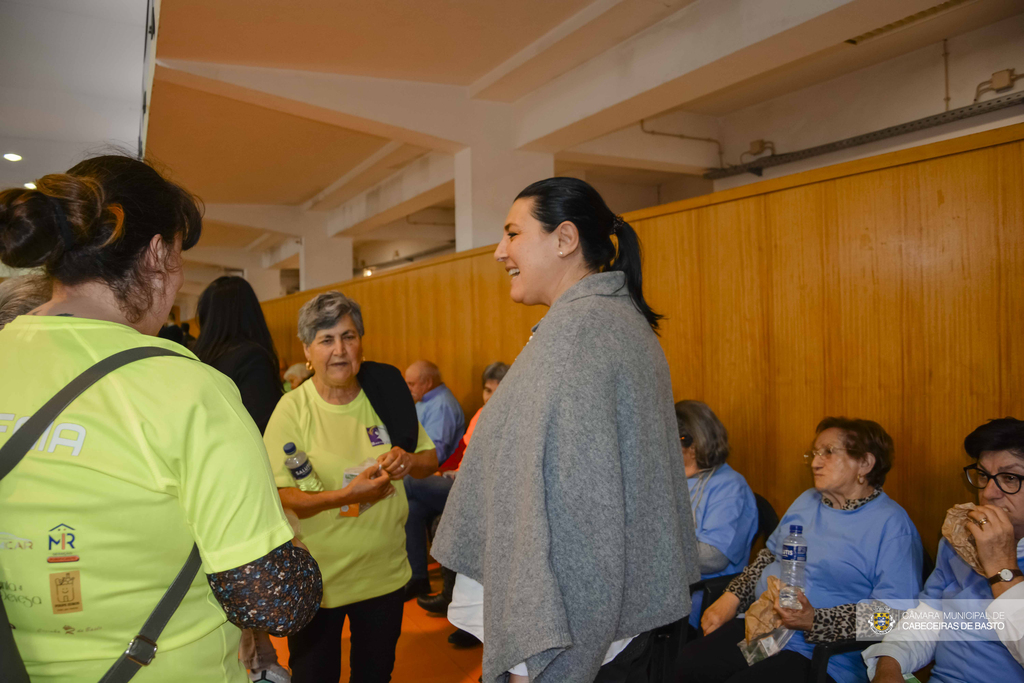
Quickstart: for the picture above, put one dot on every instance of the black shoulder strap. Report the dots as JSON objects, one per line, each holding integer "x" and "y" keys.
{"x": 142, "y": 648}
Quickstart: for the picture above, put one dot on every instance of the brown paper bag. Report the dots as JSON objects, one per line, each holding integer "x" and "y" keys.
{"x": 954, "y": 530}
{"x": 761, "y": 617}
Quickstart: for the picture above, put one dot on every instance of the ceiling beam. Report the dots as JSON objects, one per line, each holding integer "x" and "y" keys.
{"x": 426, "y": 181}
{"x": 284, "y": 220}
{"x": 438, "y": 117}
{"x": 726, "y": 42}
{"x": 597, "y": 27}
{"x": 368, "y": 173}
{"x": 633, "y": 148}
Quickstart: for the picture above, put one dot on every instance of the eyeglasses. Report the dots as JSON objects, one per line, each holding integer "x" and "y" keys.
{"x": 1007, "y": 482}
{"x": 826, "y": 453}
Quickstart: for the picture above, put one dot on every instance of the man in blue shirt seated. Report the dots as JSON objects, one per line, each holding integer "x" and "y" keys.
{"x": 436, "y": 406}
{"x": 442, "y": 418}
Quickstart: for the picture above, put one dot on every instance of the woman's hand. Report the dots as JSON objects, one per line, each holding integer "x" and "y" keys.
{"x": 371, "y": 485}
{"x": 993, "y": 535}
{"x": 397, "y": 463}
{"x": 719, "y": 612}
{"x": 797, "y": 619}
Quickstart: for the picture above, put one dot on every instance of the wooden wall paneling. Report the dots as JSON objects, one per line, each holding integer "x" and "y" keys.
{"x": 733, "y": 286}
{"x": 959, "y": 254}
{"x": 1010, "y": 176}
{"x": 672, "y": 285}
{"x": 796, "y": 335}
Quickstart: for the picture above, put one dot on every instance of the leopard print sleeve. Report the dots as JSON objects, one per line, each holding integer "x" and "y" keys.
{"x": 743, "y": 585}
{"x": 279, "y": 593}
{"x": 832, "y": 624}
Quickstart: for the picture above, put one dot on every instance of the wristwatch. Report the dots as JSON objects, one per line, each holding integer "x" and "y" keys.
{"x": 1004, "y": 575}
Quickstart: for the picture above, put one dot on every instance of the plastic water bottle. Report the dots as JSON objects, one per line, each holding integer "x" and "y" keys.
{"x": 302, "y": 469}
{"x": 794, "y": 561}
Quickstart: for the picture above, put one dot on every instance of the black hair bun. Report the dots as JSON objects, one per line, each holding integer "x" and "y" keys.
{"x": 29, "y": 233}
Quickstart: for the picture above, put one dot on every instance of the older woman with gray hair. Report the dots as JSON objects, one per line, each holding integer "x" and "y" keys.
{"x": 723, "y": 506}
{"x": 356, "y": 422}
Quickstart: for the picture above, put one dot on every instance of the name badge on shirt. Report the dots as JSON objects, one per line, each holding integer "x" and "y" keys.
{"x": 378, "y": 436}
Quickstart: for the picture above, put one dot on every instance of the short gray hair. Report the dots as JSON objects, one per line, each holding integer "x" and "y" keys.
{"x": 324, "y": 311}
{"x": 21, "y": 294}
{"x": 495, "y": 371}
{"x": 710, "y": 440}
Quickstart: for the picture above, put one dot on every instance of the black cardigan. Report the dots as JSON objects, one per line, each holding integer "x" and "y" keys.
{"x": 391, "y": 400}
{"x": 252, "y": 370}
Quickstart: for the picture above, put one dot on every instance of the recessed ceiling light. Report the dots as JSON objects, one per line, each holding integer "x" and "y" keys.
{"x": 11, "y": 156}
{"x": 30, "y": 186}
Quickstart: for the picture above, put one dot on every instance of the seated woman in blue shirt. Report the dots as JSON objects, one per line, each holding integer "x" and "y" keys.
{"x": 860, "y": 544}
{"x": 723, "y": 506}
{"x": 960, "y": 652}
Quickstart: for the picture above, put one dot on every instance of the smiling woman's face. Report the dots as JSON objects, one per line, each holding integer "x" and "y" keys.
{"x": 530, "y": 256}
{"x": 336, "y": 353}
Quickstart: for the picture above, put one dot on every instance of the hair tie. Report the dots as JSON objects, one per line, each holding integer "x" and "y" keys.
{"x": 67, "y": 235}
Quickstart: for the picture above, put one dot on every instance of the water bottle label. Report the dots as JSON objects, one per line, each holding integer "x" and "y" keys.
{"x": 794, "y": 552}
{"x": 303, "y": 470}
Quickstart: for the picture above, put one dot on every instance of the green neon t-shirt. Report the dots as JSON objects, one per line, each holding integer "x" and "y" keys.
{"x": 360, "y": 557}
{"x": 98, "y": 518}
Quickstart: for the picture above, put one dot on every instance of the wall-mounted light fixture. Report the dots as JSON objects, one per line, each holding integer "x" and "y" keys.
{"x": 11, "y": 156}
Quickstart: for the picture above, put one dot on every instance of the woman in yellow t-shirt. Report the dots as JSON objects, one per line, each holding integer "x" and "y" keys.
{"x": 350, "y": 417}
{"x": 99, "y": 517}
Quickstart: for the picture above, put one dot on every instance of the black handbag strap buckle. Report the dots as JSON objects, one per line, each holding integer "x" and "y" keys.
{"x": 141, "y": 650}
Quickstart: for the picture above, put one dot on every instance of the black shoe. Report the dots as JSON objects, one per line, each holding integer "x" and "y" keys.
{"x": 438, "y": 604}
{"x": 416, "y": 588}
{"x": 435, "y": 604}
{"x": 463, "y": 639}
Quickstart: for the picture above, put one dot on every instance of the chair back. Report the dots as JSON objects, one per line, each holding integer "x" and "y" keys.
{"x": 767, "y": 520}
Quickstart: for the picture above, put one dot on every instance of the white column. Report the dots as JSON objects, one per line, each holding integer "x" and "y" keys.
{"x": 324, "y": 260}
{"x": 266, "y": 282}
{"x": 487, "y": 180}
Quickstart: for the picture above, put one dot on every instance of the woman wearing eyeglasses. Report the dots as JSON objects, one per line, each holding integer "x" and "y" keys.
{"x": 997, "y": 526}
{"x": 860, "y": 545}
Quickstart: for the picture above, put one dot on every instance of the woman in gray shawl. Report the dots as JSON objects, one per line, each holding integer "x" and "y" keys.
{"x": 570, "y": 523}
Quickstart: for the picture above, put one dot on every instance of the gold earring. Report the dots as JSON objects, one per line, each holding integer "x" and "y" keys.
{"x": 309, "y": 366}
{"x": 860, "y": 480}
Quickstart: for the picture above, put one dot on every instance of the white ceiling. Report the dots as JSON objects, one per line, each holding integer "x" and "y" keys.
{"x": 71, "y": 82}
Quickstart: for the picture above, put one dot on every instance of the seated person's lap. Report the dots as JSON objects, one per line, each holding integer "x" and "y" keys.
{"x": 717, "y": 659}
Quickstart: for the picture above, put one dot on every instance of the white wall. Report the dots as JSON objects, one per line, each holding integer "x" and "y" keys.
{"x": 898, "y": 91}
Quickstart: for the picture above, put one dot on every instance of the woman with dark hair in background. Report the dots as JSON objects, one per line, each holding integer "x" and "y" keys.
{"x": 152, "y": 459}
{"x": 234, "y": 338}
{"x": 569, "y": 524}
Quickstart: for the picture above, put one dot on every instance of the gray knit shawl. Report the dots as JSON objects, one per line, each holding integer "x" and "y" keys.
{"x": 571, "y": 506}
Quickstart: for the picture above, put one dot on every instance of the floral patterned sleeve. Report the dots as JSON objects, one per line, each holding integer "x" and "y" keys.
{"x": 278, "y": 593}
{"x": 743, "y": 585}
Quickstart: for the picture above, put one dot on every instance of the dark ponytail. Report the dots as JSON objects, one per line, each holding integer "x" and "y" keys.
{"x": 557, "y": 200}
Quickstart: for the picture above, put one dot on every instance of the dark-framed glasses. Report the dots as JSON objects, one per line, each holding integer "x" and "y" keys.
{"x": 1008, "y": 482}
{"x": 826, "y": 453}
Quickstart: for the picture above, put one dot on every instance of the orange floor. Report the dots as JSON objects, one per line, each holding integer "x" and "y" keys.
{"x": 423, "y": 655}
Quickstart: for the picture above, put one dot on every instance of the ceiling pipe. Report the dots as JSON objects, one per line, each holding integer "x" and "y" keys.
{"x": 757, "y": 166}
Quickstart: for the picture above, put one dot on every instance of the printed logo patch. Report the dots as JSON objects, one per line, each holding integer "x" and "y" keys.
{"x": 66, "y": 592}
{"x": 378, "y": 436}
{"x": 61, "y": 545}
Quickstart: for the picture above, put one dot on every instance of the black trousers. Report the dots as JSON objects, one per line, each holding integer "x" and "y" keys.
{"x": 716, "y": 659}
{"x": 376, "y": 624}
